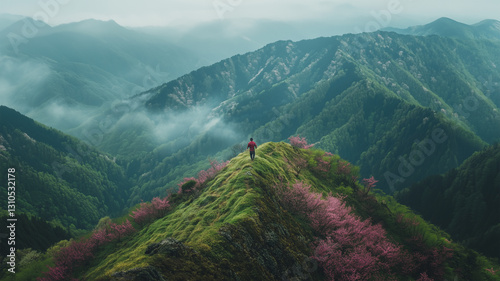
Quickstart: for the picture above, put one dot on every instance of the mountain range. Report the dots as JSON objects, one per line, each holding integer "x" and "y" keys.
{"x": 65, "y": 74}
{"x": 486, "y": 29}
{"x": 402, "y": 108}
{"x": 64, "y": 180}
{"x": 379, "y": 100}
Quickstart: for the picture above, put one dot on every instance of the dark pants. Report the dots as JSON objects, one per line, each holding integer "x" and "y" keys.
{"x": 252, "y": 154}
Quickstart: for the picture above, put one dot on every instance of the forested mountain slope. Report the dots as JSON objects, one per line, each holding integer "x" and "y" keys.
{"x": 59, "y": 178}
{"x": 374, "y": 98}
{"x": 464, "y": 201}
{"x": 63, "y": 75}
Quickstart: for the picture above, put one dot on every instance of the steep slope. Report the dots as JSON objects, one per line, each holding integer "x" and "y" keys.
{"x": 63, "y": 75}
{"x": 241, "y": 225}
{"x": 465, "y": 201}
{"x": 373, "y": 98}
{"x": 59, "y": 178}
{"x": 487, "y": 29}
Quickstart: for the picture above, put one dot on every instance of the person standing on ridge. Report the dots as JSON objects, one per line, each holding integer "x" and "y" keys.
{"x": 252, "y": 145}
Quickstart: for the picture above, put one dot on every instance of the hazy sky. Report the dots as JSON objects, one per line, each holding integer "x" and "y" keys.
{"x": 346, "y": 15}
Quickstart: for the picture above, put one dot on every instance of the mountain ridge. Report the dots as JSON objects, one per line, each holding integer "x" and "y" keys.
{"x": 79, "y": 69}
{"x": 486, "y": 29}
{"x": 237, "y": 225}
{"x": 298, "y": 86}
{"x": 462, "y": 197}
{"x": 65, "y": 180}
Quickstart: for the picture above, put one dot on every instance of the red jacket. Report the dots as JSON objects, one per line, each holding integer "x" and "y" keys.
{"x": 252, "y": 145}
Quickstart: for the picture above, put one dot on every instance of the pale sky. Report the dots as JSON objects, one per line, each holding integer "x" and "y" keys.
{"x": 347, "y": 15}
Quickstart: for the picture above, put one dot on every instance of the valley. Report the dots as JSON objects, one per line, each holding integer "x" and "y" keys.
{"x": 102, "y": 123}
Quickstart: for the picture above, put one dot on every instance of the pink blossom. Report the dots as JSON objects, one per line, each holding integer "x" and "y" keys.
{"x": 348, "y": 248}
{"x": 143, "y": 214}
{"x": 203, "y": 176}
{"x": 300, "y": 142}
{"x": 491, "y": 270}
{"x": 369, "y": 183}
{"x": 160, "y": 205}
{"x": 344, "y": 168}
{"x": 323, "y": 166}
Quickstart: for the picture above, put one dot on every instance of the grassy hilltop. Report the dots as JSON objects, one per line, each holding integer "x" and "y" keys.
{"x": 249, "y": 222}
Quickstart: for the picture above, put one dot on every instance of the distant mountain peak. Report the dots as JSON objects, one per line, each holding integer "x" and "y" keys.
{"x": 98, "y": 22}
{"x": 446, "y": 19}
{"x": 487, "y": 29}
{"x": 487, "y": 22}
{"x": 490, "y": 25}
{"x": 25, "y": 22}
{"x": 93, "y": 26}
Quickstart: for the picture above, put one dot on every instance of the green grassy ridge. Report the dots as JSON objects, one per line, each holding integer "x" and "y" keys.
{"x": 228, "y": 224}
{"x": 235, "y": 197}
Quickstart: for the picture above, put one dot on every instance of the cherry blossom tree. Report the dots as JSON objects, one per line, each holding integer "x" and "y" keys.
{"x": 79, "y": 252}
{"x": 348, "y": 248}
{"x": 203, "y": 176}
{"x": 298, "y": 142}
{"x": 369, "y": 183}
{"x": 151, "y": 211}
{"x": 160, "y": 206}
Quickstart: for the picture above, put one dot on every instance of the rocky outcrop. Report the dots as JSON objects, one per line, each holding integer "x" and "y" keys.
{"x": 170, "y": 246}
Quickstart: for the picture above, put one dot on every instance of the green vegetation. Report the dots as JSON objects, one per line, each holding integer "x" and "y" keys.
{"x": 401, "y": 108}
{"x": 59, "y": 178}
{"x": 236, "y": 227}
{"x": 464, "y": 201}
{"x": 368, "y": 97}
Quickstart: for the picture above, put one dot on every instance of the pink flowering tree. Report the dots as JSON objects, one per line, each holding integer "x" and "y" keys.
{"x": 369, "y": 183}
{"x": 323, "y": 165}
{"x": 299, "y": 142}
{"x": 348, "y": 248}
{"x": 77, "y": 253}
{"x": 118, "y": 231}
{"x": 491, "y": 270}
{"x": 160, "y": 206}
{"x": 188, "y": 185}
{"x": 143, "y": 214}
{"x": 151, "y": 211}
{"x": 203, "y": 177}
{"x": 347, "y": 172}
{"x": 324, "y": 162}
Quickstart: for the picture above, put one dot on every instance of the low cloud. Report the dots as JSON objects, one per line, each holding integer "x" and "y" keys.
{"x": 20, "y": 82}
{"x": 170, "y": 130}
